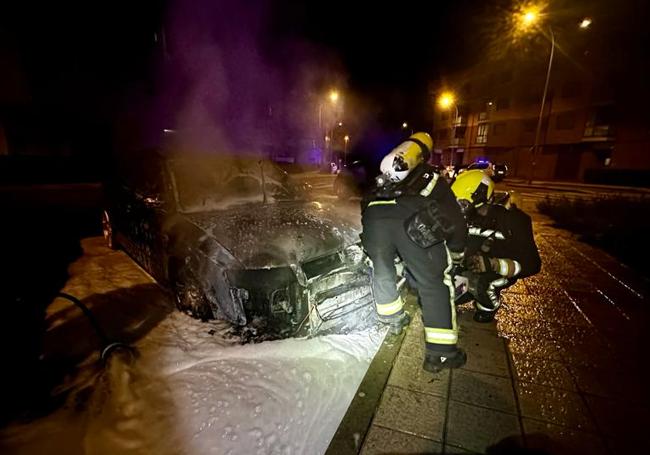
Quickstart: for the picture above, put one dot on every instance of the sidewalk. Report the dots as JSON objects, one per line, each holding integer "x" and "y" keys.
{"x": 578, "y": 187}
{"x": 562, "y": 370}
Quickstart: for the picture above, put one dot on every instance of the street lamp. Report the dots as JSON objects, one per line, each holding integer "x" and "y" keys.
{"x": 528, "y": 19}
{"x": 445, "y": 101}
{"x": 333, "y": 97}
{"x": 346, "y": 139}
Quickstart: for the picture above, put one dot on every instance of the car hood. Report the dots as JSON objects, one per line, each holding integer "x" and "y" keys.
{"x": 273, "y": 235}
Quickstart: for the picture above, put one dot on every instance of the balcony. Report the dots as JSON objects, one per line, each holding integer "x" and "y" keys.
{"x": 598, "y": 133}
{"x": 460, "y": 121}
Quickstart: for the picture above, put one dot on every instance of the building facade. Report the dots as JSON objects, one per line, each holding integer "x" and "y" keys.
{"x": 595, "y": 125}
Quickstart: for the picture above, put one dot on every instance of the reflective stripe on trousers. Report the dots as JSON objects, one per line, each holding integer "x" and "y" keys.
{"x": 440, "y": 336}
{"x": 445, "y": 336}
{"x": 391, "y": 308}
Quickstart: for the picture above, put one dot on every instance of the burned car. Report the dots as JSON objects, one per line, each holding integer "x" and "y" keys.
{"x": 236, "y": 239}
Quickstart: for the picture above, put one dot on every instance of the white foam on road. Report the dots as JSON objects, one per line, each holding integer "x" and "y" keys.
{"x": 196, "y": 393}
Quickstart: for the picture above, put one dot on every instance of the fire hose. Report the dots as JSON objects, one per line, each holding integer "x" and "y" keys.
{"x": 107, "y": 346}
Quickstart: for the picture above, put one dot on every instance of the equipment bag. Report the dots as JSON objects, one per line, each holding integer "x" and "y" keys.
{"x": 428, "y": 226}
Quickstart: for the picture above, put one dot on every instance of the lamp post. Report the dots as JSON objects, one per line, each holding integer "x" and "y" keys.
{"x": 327, "y": 133}
{"x": 445, "y": 101}
{"x": 346, "y": 139}
{"x": 538, "y": 130}
{"x": 528, "y": 19}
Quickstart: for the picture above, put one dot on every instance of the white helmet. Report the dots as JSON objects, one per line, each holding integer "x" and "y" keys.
{"x": 406, "y": 156}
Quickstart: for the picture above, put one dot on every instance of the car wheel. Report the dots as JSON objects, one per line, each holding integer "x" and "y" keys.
{"x": 107, "y": 229}
{"x": 191, "y": 300}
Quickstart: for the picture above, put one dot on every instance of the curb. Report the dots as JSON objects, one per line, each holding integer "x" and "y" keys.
{"x": 576, "y": 186}
{"x": 354, "y": 426}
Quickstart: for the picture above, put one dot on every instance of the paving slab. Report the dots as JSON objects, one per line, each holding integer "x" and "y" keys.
{"x": 476, "y": 428}
{"x": 485, "y": 390}
{"x": 554, "y": 405}
{"x": 476, "y": 339}
{"x": 534, "y": 346}
{"x": 558, "y": 440}
{"x": 418, "y": 414}
{"x": 489, "y": 362}
{"x": 408, "y": 374}
{"x": 382, "y": 440}
{"x": 619, "y": 420}
{"x": 542, "y": 372}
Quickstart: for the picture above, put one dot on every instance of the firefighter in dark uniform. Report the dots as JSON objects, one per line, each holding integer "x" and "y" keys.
{"x": 500, "y": 248}
{"x": 412, "y": 214}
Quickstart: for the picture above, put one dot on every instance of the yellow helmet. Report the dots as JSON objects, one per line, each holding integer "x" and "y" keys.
{"x": 406, "y": 156}
{"x": 474, "y": 187}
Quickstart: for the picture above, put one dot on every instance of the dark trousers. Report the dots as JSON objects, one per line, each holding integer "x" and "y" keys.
{"x": 383, "y": 240}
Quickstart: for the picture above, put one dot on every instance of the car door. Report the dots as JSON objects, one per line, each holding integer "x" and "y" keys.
{"x": 144, "y": 208}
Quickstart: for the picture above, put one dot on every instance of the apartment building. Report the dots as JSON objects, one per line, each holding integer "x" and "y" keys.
{"x": 595, "y": 120}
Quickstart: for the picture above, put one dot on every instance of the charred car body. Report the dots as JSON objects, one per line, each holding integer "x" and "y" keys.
{"x": 235, "y": 239}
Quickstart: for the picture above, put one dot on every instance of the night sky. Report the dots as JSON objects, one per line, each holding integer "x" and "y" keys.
{"x": 83, "y": 61}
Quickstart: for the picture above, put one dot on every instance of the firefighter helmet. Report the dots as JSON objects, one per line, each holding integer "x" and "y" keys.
{"x": 406, "y": 156}
{"x": 473, "y": 188}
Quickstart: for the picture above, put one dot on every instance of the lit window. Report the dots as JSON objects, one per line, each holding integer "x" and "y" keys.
{"x": 481, "y": 133}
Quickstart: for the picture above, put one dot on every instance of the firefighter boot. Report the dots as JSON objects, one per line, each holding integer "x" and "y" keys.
{"x": 484, "y": 316}
{"x": 396, "y": 323}
{"x": 435, "y": 362}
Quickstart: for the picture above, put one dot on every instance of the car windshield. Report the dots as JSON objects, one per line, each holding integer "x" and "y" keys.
{"x": 218, "y": 183}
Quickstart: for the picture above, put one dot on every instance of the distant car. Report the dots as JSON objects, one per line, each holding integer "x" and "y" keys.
{"x": 236, "y": 239}
{"x": 500, "y": 171}
{"x": 497, "y": 171}
{"x": 352, "y": 180}
{"x": 485, "y": 165}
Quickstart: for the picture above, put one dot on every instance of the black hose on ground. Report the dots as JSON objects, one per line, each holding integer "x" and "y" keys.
{"x": 107, "y": 346}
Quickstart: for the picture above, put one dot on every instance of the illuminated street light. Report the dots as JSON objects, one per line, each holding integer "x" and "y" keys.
{"x": 446, "y": 100}
{"x": 340, "y": 123}
{"x": 529, "y": 18}
{"x": 334, "y": 96}
{"x": 585, "y": 23}
{"x": 405, "y": 125}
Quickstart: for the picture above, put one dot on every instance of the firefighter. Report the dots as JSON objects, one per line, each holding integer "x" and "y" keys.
{"x": 500, "y": 248}
{"x": 412, "y": 214}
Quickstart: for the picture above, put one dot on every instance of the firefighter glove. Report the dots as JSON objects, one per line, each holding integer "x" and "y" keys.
{"x": 480, "y": 263}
